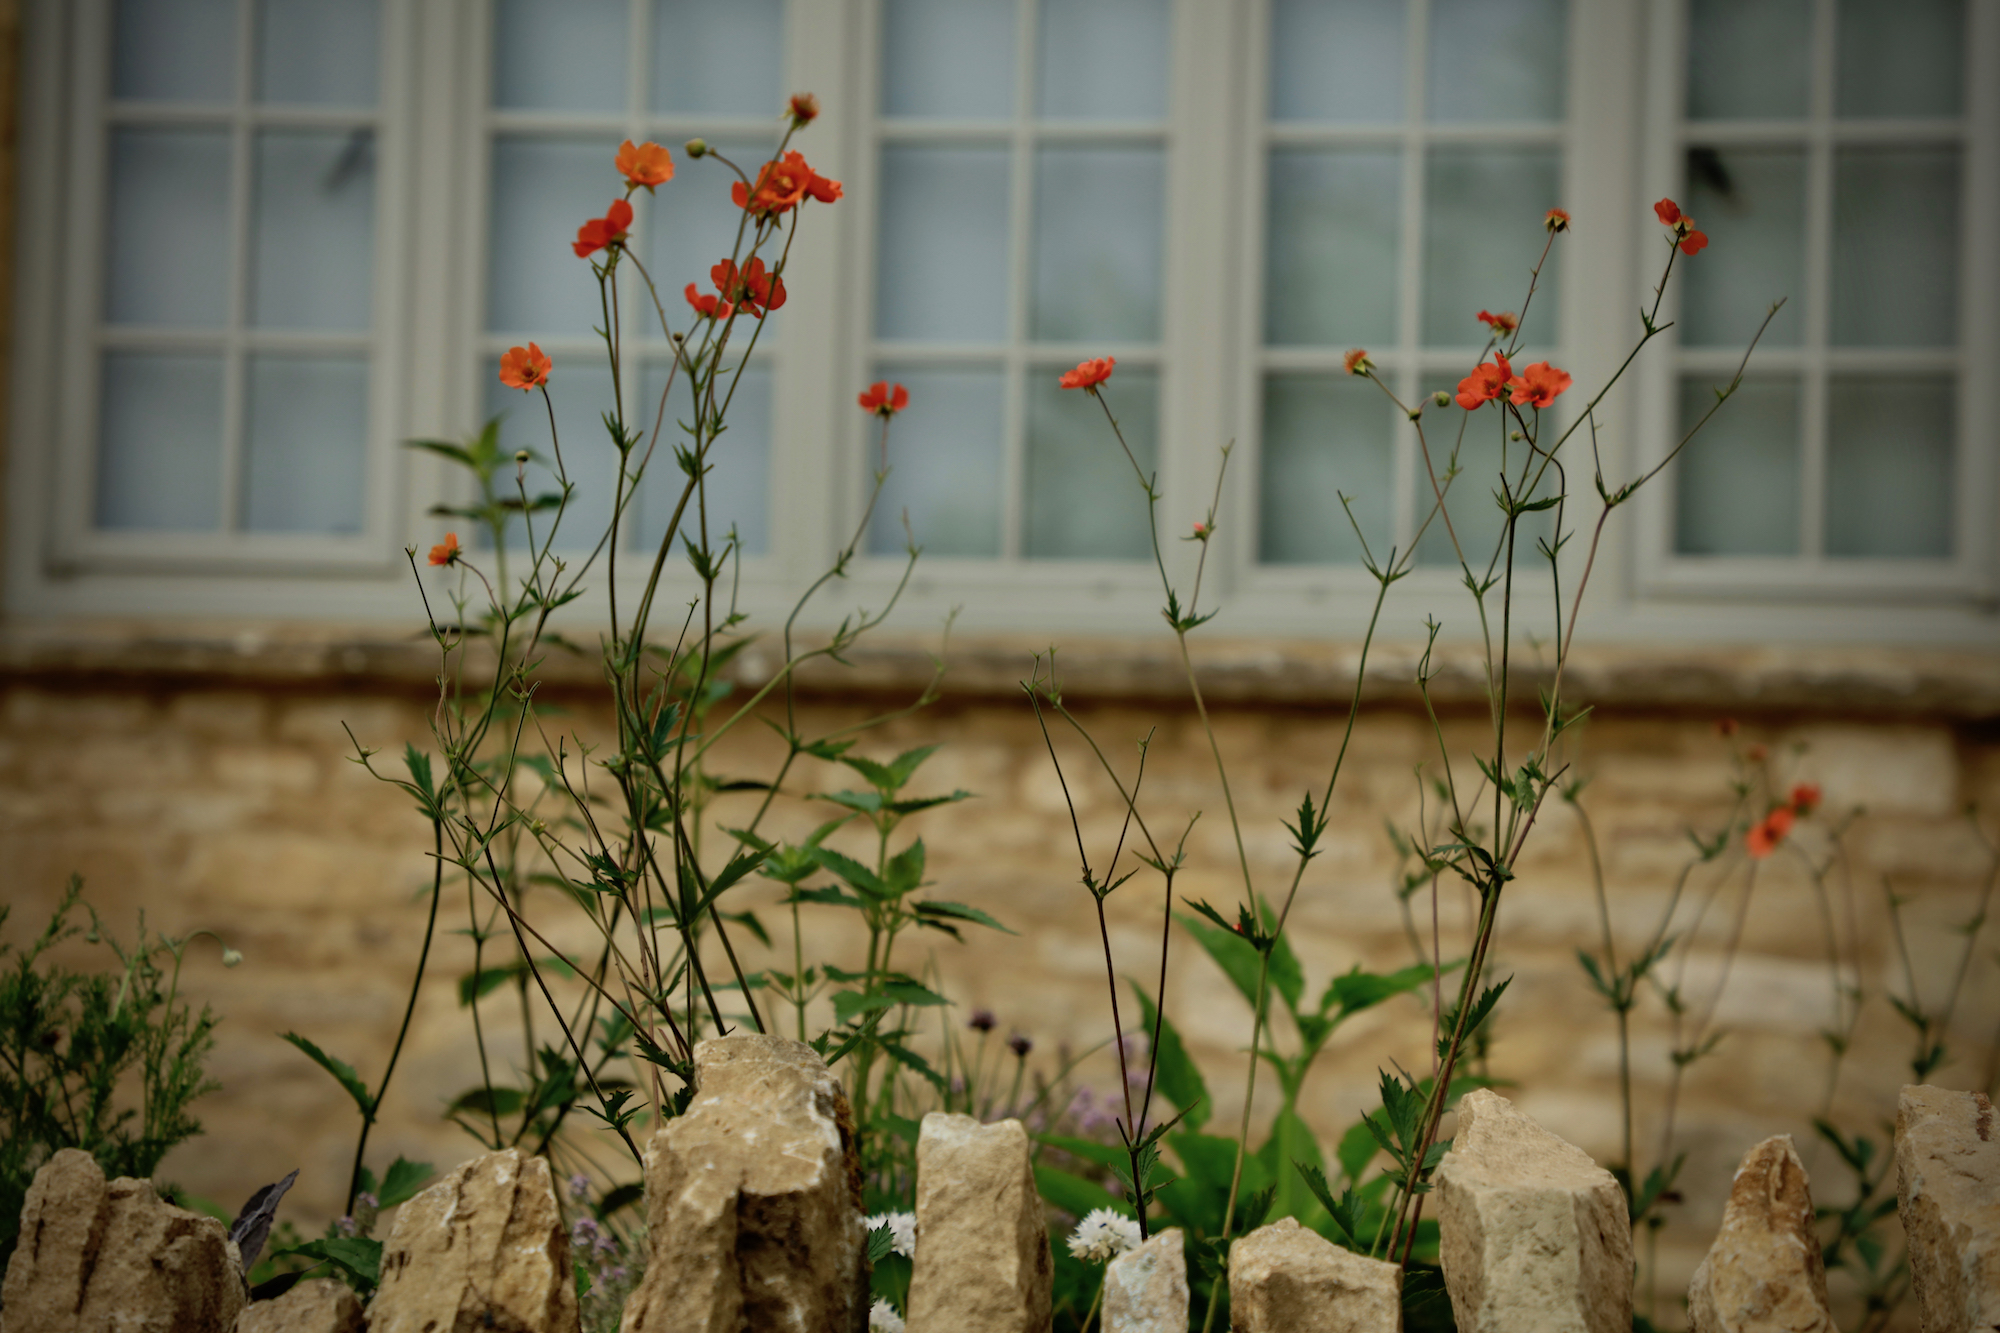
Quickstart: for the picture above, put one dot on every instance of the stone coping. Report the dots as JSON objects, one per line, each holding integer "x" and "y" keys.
{"x": 1274, "y": 672}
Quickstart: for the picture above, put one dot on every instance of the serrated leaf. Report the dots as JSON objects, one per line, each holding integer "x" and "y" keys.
{"x": 403, "y": 1181}
{"x": 1177, "y": 1078}
{"x": 342, "y": 1072}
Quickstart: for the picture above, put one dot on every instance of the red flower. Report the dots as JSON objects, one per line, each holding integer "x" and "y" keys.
{"x": 804, "y": 108}
{"x": 823, "y": 188}
{"x": 600, "y": 233}
{"x": 1357, "y": 362}
{"x": 644, "y": 164}
{"x": 751, "y": 288}
{"x": 1089, "y": 374}
{"x": 446, "y": 551}
{"x": 1756, "y": 754}
{"x": 1202, "y": 532}
{"x": 1557, "y": 220}
{"x": 1668, "y": 212}
{"x": 1805, "y": 798}
{"x": 524, "y": 367}
{"x": 1484, "y": 384}
{"x": 884, "y": 399}
{"x": 782, "y": 184}
{"x": 708, "y": 307}
{"x": 1763, "y": 839}
{"x": 1502, "y": 324}
{"x": 1670, "y": 215}
{"x": 1694, "y": 241}
{"x": 1538, "y": 385}
{"x": 1726, "y": 727}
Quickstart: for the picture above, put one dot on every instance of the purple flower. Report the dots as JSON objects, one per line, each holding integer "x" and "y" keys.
{"x": 1020, "y": 1044}
{"x": 981, "y": 1020}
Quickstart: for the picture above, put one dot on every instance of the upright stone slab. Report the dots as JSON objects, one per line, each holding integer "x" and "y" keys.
{"x": 318, "y": 1305}
{"x": 1764, "y": 1273}
{"x": 753, "y": 1200}
{"x": 1284, "y": 1278}
{"x": 1948, "y": 1192}
{"x": 1534, "y": 1236}
{"x": 483, "y": 1248}
{"x": 1146, "y": 1290}
{"x": 982, "y": 1262}
{"x": 96, "y": 1255}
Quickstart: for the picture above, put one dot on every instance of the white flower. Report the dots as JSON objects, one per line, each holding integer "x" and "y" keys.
{"x": 902, "y": 1226}
{"x": 882, "y": 1318}
{"x": 1102, "y": 1236}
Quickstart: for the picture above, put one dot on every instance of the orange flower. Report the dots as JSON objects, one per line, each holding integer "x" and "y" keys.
{"x": 1805, "y": 798}
{"x": 751, "y": 288}
{"x": 1725, "y": 727}
{"x": 1502, "y": 324}
{"x": 1484, "y": 384}
{"x": 1357, "y": 362}
{"x": 1756, "y": 754}
{"x": 1670, "y": 215}
{"x": 524, "y": 367}
{"x": 804, "y": 108}
{"x": 446, "y": 551}
{"x": 823, "y": 188}
{"x": 1090, "y": 374}
{"x": 1762, "y": 840}
{"x": 1557, "y": 220}
{"x": 600, "y": 233}
{"x": 644, "y": 164}
{"x": 884, "y": 399}
{"x": 1202, "y": 532}
{"x": 708, "y": 307}
{"x": 782, "y": 184}
{"x": 1538, "y": 385}
{"x": 1694, "y": 242}
{"x": 1668, "y": 212}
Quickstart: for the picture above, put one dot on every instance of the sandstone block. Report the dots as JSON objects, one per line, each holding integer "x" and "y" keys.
{"x": 319, "y": 1305}
{"x": 982, "y": 1262}
{"x": 1764, "y": 1274}
{"x": 1534, "y": 1236}
{"x": 483, "y": 1248}
{"x": 753, "y": 1200}
{"x": 97, "y": 1255}
{"x": 1146, "y": 1290}
{"x": 1948, "y": 1193}
{"x": 1284, "y": 1278}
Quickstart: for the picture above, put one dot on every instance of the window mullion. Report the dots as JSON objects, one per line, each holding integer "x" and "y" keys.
{"x": 1020, "y": 225}
{"x": 1412, "y": 479}
{"x": 1819, "y": 285}
{"x": 235, "y": 370}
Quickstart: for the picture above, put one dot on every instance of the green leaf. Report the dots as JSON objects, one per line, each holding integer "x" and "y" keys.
{"x": 1177, "y": 1077}
{"x": 488, "y": 1102}
{"x": 904, "y": 766}
{"x": 359, "y": 1255}
{"x": 1356, "y": 1150}
{"x": 881, "y": 1241}
{"x": 959, "y": 912}
{"x": 342, "y": 1072}
{"x": 905, "y": 991}
{"x": 1090, "y": 1150}
{"x": 1073, "y": 1194}
{"x": 475, "y": 985}
{"x": 1291, "y": 1143}
{"x": 916, "y": 1064}
{"x": 853, "y": 872}
{"x": 403, "y": 1181}
{"x": 904, "y": 871}
{"x": 849, "y": 1004}
{"x": 1359, "y": 990}
{"x": 1346, "y": 1211}
{"x": 1236, "y": 956}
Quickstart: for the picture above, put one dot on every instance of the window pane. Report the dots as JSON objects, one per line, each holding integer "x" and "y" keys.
{"x": 317, "y": 51}
{"x": 739, "y": 478}
{"x": 543, "y": 190}
{"x": 1737, "y": 483}
{"x": 581, "y": 393}
{"x": 1324, "y": 436}
{"x": 952, "y": 59}
{"x": 1104, "y": 59}
{"x": 944, "y": 463}
{"x": 1469, "y": 500}
{"x": 1889, "y": 474}
{"x": 718, "y": 57}
{"x": 1498, "y": 59}
{"x": 1482, "y": 234}
{"x": 566, "y": 57}
{"x": 1099, "y": 218}
{"x": 315, "y": 229}
{"x": 1341, "y": 60}
{"x": 692, "y": 224}
{"x": 169, "y": 260}
{"x": 159, "y": 443}
{"x": 1895, "y": 247}
{"x": 306, "y": 445}
{"x": 941, "y": 267}
{"x": 174, "y": 50}
{"x": 1330, "y": 259}
{"x": 1901, "y": 58}
{"x": 1749, "y": 59}
{"x": 1084, "y": 502}
{"x": 1753, "y": 204}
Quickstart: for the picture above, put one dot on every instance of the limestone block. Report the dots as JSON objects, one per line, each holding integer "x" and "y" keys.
{"x": 982, "y": 1262}
{"x": 95, "y": 1255}
{"x": 1948, "y": 1192}
{"x": 1284, "y": 1278}
{"x": 1534, "y": 1236}
{"x": 753, "y": 1200}
{"x": 1146, "y": 1290}
{"x": 320, "y": 1305}
{"x": 1764, "y": 1274}
{"x": 483, "y": 1248}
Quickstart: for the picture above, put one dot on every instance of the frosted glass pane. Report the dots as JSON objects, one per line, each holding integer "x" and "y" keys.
{"x": 952, "y": 59}
{"x": 159, "y": 443}
{"x": 718, "y": 57}
{"x": 1325, "y": 436}
{"x": 1482, "y": 234}
{"x": 944, "y": 463}
{"x": 1901, "y": 58}
{"x": 543, "y": 190}
{"x": 317, "y": 51}
{"x": 1469, "y": 498}
{"x": 174, "y": 50}
{"x": 1498, "y": 59}
{"x": 1749, "y": 59}
{"x": 1889, "y": 469}
{"x": 1895, "y": 247}
{"x": 1341, "y": 60}
{"x": 561, "y": 57}
{"x": 581, "y": 392}
{"x": 692, "y": 224}
{"x": 738, "y": 485}
{"x": 1104, "y": 59}
{"x": 1752, "y": 204}
{"x": 1100, "y": 219}
{"x": 305, "y": 445}
{"x": 169, "y": 245}
{"x": 315, "y": 229}
{"x": 941, "y": 268}
{"x": 1330, "y": 257}
{"x": 1736, "y": 485}
{"x": 1083, "y": 500}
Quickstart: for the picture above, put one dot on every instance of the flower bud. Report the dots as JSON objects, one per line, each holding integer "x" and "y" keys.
{"x": 231, "y": 957}
{"x": 521, "y": 455}
{"x": 1441, "y": 398}
{"x": 696, "y": 147}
